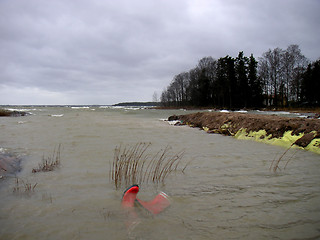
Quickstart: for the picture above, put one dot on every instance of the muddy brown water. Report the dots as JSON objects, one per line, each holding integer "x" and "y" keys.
{"x": 226, "y": 192}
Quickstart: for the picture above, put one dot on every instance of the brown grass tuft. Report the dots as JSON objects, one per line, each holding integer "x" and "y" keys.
{"x": 49, "y": 163}
{"x": 22, "y": 187}
{"x": 134, "y": 165}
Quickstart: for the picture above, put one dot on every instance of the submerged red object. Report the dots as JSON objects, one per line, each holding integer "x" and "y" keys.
{"x": 127, "y": 203}
{"x": 129, "y": 196}
{"x": 155, "y": 206}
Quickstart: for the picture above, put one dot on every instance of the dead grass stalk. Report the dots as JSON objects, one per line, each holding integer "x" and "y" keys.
{"x": 275, "y": 163}
{"x": 135, "y": 165}
{"x": 22, "y": 187}
{"x": 50, "y": 163}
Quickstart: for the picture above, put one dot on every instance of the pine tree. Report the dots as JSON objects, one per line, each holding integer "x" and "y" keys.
{"x": 255, "y": 86}
{"x": 311, "y": 85}
{"x": 242, "y": 81}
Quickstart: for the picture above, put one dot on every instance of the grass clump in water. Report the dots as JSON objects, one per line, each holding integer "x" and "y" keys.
{"x": 49, "y": 163}
{"x": 22, "y": 187}
{"x": 134, "y": 165}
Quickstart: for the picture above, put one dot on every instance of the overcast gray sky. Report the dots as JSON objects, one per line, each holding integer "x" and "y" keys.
{"x": 106, "y": 51}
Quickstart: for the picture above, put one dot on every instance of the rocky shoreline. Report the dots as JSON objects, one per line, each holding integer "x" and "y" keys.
{"x": 271, "y": 129}
{"x": 10, "y": 164}
{"x": 8, "y": 113}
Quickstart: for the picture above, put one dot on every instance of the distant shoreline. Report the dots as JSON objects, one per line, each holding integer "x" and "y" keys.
{"x": 137, "y": 104}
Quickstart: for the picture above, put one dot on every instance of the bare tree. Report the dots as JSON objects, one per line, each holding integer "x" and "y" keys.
{"x": 272, "y": 62}
{"x": 294, "y": 64}
{"x": 263, "y": 72}
{"x": 155, "y": 97}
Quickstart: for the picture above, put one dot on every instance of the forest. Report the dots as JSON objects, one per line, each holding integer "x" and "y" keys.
{"x": 280, "y": 78}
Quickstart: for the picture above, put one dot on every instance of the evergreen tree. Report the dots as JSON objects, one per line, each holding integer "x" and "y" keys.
{"x": 311, "y": 84}
{"x": 221, "y": 83}
{"x": 242, "y": 78}
{"x": 231, "y": 82}
{"x": 255, "y": 86}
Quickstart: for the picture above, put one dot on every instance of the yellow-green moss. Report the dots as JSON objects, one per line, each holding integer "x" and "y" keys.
{"x": 205, "y": 129}
{"x": 261, "y": 136}
{"x": 314, "y": 146}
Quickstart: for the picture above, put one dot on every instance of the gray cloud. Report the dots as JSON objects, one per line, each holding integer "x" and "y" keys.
{"x": 103, "y": 52}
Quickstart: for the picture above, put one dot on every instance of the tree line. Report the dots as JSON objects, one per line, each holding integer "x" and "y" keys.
{"x": 280, "y": 78}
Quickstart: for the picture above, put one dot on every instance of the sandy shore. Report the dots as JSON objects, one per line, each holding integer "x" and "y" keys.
{"x": 271, "y": 129}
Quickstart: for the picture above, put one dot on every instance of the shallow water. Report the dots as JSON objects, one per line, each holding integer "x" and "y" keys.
{"x": 226, "y": 192}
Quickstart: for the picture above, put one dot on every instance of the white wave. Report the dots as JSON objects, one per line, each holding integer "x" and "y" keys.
{"x": 224, "y": 111}
{"x": 56, "y": 115}
{"x": 84, "y": 107}
{"x": 174, "y": 122}
{"x": 132, "y": 108}
{"x": 284, "y": 113}
{"x": 242, "y": 111}
{"x": 22, "y": 109}
{"x": 127, "y": 107}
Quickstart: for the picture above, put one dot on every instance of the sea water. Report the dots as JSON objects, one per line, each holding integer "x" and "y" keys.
{"x": 227, "y": 190}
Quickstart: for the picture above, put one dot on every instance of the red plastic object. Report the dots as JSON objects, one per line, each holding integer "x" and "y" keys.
{"x": 128, "y": 199}
{"x": 157, "y": 205}
{"x": 129, "y": 196}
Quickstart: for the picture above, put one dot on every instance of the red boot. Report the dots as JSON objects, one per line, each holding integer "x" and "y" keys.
{"x": 157, "y": 205}
{"x": 129, "y": 196}
{"x": 127, "y": 203}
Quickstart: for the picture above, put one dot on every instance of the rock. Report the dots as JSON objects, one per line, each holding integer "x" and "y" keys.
{"x": 173, "y": 118}
{"x": 7, "y": 113}
{"x": 305, "y": 140}
{"x": 9, "y": 164}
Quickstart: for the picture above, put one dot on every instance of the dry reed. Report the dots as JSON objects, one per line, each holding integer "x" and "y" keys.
{"x": 134, "y": 165}
{"x": 275, "y": 163}
{"x": 22, "y": 187}
{"x": 50, "y": 163}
